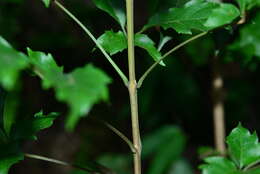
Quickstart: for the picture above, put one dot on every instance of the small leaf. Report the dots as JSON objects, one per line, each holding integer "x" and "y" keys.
{"x": 219, "y": 165}
{"x": 81, "y": 89}
{"x": 11, "y": 63}
{"x": 244, "y": 147}
{"x": 27, "y": 129}
{"x": 113, "y": 42}
{"x": 223, "y": 14}
{"x": 163, "y": 41}
{"x": 143, "y": 41}
{"x": 114, "y": 8}
{"x": 46, "y": 3}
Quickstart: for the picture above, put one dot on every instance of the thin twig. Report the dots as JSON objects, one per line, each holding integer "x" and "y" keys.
{"x": 251, "y": 166}
{"x": 114, "y": 65}
{"x": 100, "y": 168}
{"x": 140, "y": 82}
{"x": 55, "y": 161}
{"x": 121, "y": 135}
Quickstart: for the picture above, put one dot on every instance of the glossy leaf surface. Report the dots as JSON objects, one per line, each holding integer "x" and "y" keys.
{"x": 116, "y": 42}
{"x": 243, "y": 146}
{"x": 195, "y": 15}
{"x": 113, "y": 42}
{"x": 219, "y": 165}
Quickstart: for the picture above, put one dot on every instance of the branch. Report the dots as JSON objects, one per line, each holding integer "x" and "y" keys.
{"x": 140, "y": 82}
{"x": 100, "y": 169}
{"x": 118, "y": 70}
{"x": 121, "y": 135}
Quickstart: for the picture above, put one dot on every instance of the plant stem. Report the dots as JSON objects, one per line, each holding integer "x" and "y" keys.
{"x": 218, "y": 107}
{"x": 100, "y": 168}
{"x": 117, "y": 69}
{"x": 132, "y": 87}
{"x": 121, "y": 135}
{"x": 51, "y": 160}
{"x": 140, "y": 82}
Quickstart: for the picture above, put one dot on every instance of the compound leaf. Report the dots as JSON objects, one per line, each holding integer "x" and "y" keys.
{"x": 114, "y": 8}
{"x": 244, "y": 147}
{"x": 11, "y": 63}
{"x": 81, "y": 89}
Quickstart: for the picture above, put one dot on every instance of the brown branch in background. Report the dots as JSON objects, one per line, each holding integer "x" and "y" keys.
{"x": 218, "y": 106}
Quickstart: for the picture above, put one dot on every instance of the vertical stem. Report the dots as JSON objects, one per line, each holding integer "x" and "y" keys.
{"x": 132, "y": 87}
{"x": 218, "y": 107}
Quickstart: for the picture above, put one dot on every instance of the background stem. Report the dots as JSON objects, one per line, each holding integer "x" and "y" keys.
{"x": 132, "y": 86}
{"x": 218, "y": 107}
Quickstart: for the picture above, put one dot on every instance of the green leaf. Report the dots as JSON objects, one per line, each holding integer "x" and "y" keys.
{"x": 192, "y": 16}
{"x": 116, "y": 42}
{"x": 223, "y": 14}
{"x": 26, "y": 129}
{"x": 114, "y": 8}
{"x": 219, "y": 165}
{"x": 143, "y": 41}
{"x": 7, "y": 161}
{"x": 113, "y": 42}
{"x": 81, "y": 89}
{"x": 46, "y": 3}
{"x": 160, "y": 5}
{"x": 11, "y": 145}
{"x": 2, "y": 103}
{"x": 165, "y": 146}
{"x": 247, "y": 4}
{"x": 163, "y": 41}
{"x": 11, "y": 63}
{"x": 244, "y": 147}
{"x": 248, "y": 43}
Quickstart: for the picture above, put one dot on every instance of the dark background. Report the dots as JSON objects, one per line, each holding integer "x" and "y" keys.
{"x": 178, "y": 94}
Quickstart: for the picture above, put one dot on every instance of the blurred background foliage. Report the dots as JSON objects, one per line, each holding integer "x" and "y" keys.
{"x": 175, "y": 101}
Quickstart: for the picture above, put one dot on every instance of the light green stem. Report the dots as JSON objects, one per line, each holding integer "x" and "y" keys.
{"x": 118, "y": 70}
{"x": 132, "y": 87}
{"x": 147, "y": 72}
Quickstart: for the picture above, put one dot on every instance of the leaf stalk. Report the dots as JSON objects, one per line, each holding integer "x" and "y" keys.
{"x": 148, "y": 71}
{"x": 114, "y": 65}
